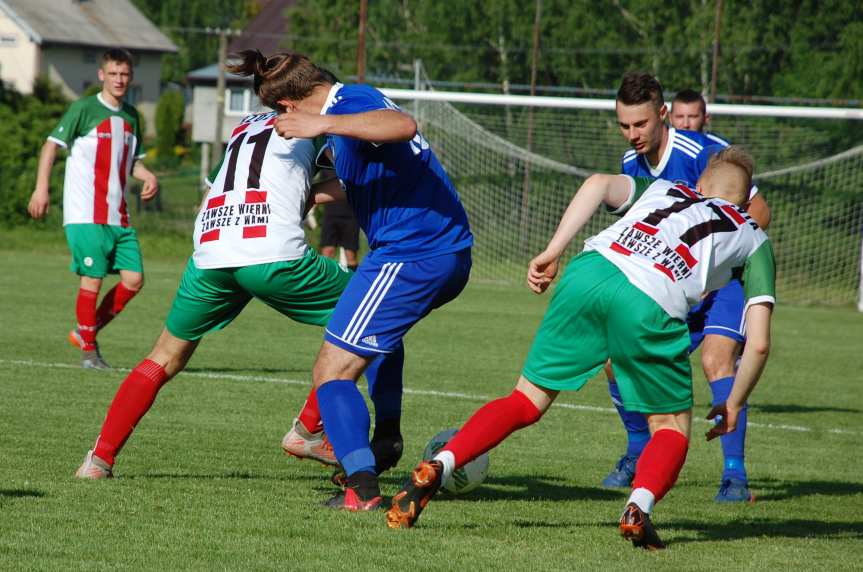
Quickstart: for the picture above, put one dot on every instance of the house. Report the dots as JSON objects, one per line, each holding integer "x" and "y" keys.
{"x": 64, "y": 39}
{"x": 266, "y": 33}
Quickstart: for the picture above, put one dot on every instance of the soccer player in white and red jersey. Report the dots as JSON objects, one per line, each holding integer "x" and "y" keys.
{"x": 716, "y": 324}
{"x": 626, "y": 297}
{"x": 103, "y": 135}
{"x": 249, "y": 243}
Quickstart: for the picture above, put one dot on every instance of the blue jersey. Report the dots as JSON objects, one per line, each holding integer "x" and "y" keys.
{"x": 685, "y": 157}
{"x": 400, "y": 193}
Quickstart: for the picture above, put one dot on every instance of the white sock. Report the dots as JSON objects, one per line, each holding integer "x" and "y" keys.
{"x": 643, "y": 498}
{"x": 447, "y": 459}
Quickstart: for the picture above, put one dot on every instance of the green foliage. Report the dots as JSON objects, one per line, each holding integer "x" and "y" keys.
{"x": 25, "y": 121}
{"x": 169, "y": 124}
{"x": 185, "y": 21}
{"x": 796, "y": 49}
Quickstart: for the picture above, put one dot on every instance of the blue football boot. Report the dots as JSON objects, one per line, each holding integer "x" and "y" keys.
{"x": 733, "y": 489}
{"x": 623, "y": 473}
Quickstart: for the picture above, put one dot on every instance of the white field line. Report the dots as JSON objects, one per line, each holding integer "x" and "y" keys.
{"x": 425, "y": 392}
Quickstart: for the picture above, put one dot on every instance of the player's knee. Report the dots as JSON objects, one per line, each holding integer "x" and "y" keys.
{"x": 133, "y": 282}
{"x": 717, "y": 364}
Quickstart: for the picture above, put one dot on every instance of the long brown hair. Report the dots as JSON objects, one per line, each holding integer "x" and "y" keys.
{"x": 283, "y": 75}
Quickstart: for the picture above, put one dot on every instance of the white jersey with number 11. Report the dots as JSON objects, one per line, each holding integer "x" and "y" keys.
{"x": 253, "y": 213}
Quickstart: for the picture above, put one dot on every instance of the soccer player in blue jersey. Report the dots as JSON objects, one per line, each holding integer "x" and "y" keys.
{"x": 680, "y": 154}
{"x": 419, "y": 243}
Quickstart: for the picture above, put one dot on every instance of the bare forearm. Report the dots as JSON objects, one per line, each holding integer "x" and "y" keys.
{"x": 329, "y": 191}
{"x": 755, "y": 353}
{"x": 140, "y": 172}
{"x": 382, "y": 126}
{"x": 46, "y": 162}
{"x": 596, "y": 190}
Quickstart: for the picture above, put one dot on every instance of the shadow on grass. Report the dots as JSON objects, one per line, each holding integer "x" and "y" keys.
{"x": 755, "y": 528}
{"x": 275, "y": 370}
{"x": 775, "y": 489}
{"x": 20, "y": 493}
{"x": 795, "y": 408}
{"x": 533, "y": 488}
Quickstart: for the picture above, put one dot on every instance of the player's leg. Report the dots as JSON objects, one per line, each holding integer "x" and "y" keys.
{"x": 385, "y": 381}
{"x": 350, "y": 241}
{"x": 484, "y": 430}
{"x": 650, "y": 353}
{"x": 305, "y": 290}
{"x": 637, "y": 436}
{"x": 90, "y": 247}
{"x": 206, "y": 300}
{"x": 723, "y": 338}
{"x": 328, "y": 251}
{"x": 132, "y": 401}
{"x": 127, "y": 261}
{"x": 346, "y": 422}
{"x": 381, "y": 303}
{"x": 656, "y": 473}
{"x": 555, "y": 363}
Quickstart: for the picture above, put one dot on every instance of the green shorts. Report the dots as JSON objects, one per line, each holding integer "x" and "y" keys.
{"x": 596, "y": 314}
{"x": 100, "y": 249}
{"x": 305, "y": 290}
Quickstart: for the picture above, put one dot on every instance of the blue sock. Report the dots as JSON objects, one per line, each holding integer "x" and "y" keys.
{"x": 637, "y": 431}
{"x": 346, "y": 421}
{"x": 384, "y": 376}
{"x": 733, "y": 444}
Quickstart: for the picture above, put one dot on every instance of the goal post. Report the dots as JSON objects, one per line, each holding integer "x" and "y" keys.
{"x": 810, "y": 175}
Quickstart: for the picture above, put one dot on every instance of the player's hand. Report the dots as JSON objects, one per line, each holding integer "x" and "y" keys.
{"x": 150, "y": 188}
{"x": 727, "y": 415}
{"x": 541, "y": 271}
{"x": 300, "y": 124}
{"x": 39, "y": 203}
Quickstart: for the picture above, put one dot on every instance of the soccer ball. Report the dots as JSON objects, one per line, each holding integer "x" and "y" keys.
{"x": 464, "y": 479}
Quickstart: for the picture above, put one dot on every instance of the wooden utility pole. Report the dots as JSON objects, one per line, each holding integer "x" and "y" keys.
{"x": 361, "y": 41}
{"x": 717, "y": 28}
{"x": 216, "y": 149}
{"x": 525, "y": 190}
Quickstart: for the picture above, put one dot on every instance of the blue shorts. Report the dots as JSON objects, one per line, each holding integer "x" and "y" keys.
{"x": 384, "y": 300}
{"x": 719, "y": 313}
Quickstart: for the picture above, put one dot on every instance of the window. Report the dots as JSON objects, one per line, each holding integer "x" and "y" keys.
{"x": 91, "y": 56}
{"x": 241, "y": 101}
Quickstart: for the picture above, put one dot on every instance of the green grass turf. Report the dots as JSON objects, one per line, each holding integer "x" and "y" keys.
{"x": 202, "y": 483}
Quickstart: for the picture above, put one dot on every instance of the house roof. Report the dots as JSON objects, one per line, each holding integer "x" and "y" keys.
{"x": 102, "y": 23}
{"x": 266, "y": 32}
{"x": 210, "y": 74}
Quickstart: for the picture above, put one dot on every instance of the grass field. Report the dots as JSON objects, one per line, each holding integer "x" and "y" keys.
{"x": 202, "y": 484}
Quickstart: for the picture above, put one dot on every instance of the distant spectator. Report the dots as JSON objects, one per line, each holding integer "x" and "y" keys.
{"x": 340, "y": 229}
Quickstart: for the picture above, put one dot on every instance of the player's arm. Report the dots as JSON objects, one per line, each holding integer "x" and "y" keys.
{"x": 759, "y": 211}
{"x": 613, "y": 190}
{"x": 759, "y": 286}
{"x": 40, "y": 199}
{"x": 151, "y": 183}
{"x": 327, "y": 191}
{"x": 752, "y": 363}
{"x": 379, "y": 126}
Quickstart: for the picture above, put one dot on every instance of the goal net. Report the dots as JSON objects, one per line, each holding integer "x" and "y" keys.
{"x": 516, "y": 191}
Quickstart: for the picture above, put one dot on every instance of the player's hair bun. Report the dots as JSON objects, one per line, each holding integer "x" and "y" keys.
{"x": 283, "y": 75}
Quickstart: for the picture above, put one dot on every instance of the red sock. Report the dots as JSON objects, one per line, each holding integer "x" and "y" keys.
{"x": 660, "y": 462}
{"x": 85, "y": 310}
{"x": 132, "y": 401}
{"x": 113, "y": 303}
{"x": 310, "y": 416}
{"x": 491, "y": 424}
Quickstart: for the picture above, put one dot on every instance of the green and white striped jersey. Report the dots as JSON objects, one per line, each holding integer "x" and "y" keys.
{"x": 103, "y": 143}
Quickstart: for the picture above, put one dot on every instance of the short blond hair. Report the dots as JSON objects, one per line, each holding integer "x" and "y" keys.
{"x": 725, "y": 186}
